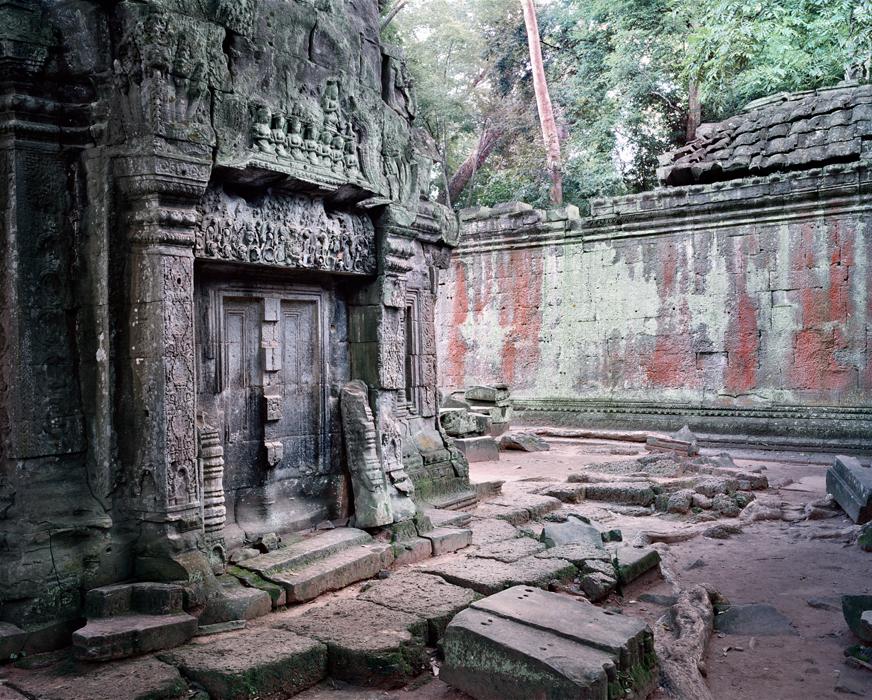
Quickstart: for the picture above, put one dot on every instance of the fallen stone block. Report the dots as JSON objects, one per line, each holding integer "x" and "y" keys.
{"x": 664, "y": 444}
{"x": 597, "y": 585}
{"x": 411, "y": 551}
{"x": 509, "y": 550}
{"x": 234, "y": 601}
{"x": 262, "y": 663}
{"x": 424, "y": 595}
{"x": 576, "y": 554}
{"x": 853, "y": 608}
{"x": 632, "y": 562}
{"x": 132, "y": 679}
{"x": 680, "y": 501}
{"x": 489, "y": 394}
{"x": 525, "y": 442}
{"x": 459, "y": 422}
{"x": 565, "y": 492}
{"x": 478, "y": 449}
{"x": 850, "y": 483}
{"x": 367, "y": 644}
{"x": 535, "y": 505}
{"x": 253, "y": 580}
{"x": 572, "y": 531}
{"x": 447, "y": 539}
{"x": 517, "y": 643}
{"x": 488, "y": 576}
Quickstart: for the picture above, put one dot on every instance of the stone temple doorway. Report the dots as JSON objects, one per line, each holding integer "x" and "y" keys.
{"x": 263, "y": 384}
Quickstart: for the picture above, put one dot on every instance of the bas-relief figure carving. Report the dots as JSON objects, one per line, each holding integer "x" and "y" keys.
{"x": 219, "y": 172}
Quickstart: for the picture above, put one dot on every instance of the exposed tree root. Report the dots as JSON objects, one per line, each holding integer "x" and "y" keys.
{"x": 680, "y": 639}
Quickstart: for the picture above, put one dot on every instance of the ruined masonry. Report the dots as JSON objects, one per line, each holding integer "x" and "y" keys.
{"x": 734, "y": 298}
{"x": 216, "y": 318}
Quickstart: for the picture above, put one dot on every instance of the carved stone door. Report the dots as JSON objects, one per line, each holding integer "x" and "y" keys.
{"x": 263, "y": 383}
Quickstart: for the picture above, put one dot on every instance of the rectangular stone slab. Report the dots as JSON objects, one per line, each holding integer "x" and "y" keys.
{"x": 626, "y": 638}
{"x": 263, "y": 663}
{"x": 489, "y": 576}
{"x": 307, "y": 551}
{"x": 850, "y": 483}
{"x": 493, "y": 658}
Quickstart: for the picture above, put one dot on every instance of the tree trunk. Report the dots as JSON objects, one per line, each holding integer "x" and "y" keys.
{"x": 694, "y": 110}
{"x": 543, "y": 103}
{"x": 393, "y": 13}
{"x": 488, "y": 140}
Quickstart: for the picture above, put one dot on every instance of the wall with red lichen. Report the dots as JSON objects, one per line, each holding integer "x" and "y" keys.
{"x": 635, "y": 304}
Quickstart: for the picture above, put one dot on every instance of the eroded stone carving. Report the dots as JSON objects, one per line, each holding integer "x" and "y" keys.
{"x": 212, "y": 461}
{"x": 286, "y": 231}
{"x": 372, "y": 503}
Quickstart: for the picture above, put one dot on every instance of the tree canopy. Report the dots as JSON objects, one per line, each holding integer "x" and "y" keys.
{"x": 628, "y": 79}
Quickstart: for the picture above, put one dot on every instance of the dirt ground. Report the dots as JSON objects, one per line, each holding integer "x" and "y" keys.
{"x": 776, "y": 562}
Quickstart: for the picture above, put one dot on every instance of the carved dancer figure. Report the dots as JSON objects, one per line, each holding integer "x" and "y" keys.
{"x": 262, "y": 132}
{"x": 279, "y": 134}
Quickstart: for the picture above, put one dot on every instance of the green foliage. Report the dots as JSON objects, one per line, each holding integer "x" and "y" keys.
{"x": 619, "y": 74}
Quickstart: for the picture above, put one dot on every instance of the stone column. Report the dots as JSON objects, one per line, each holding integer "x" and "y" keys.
{"x": 156, "y": 357}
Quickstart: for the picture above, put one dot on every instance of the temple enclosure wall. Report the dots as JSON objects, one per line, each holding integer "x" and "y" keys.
{"x": 737, "y": 307}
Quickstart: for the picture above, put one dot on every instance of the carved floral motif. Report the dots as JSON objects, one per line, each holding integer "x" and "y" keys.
{"x": 286, "y": 231}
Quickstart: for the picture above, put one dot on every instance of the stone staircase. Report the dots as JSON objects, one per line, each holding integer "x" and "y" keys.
{"x": 326, "y": 561}
{"x": 132, "y": 618}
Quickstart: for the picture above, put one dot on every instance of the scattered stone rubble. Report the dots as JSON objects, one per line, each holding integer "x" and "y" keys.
{"x": 474, "y": 418}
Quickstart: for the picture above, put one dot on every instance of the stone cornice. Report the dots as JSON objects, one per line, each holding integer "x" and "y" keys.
{"x": 775, "y": 199}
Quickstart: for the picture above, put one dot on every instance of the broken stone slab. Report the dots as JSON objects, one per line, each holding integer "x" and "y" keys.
{"x": 535, "y": 505}
{"x": 632, "y": 562}
{"x": 487, "y": 394}
{"x": 120, "y": 636}
{"x": 497, "y": 427}
{"x": 565, "y": 492}
{"x": 448, "y": 518}
{"x": 261, "y": 663}
{"x": 488, "y": 576}
{"x": 425, "y": 595}
{"x": 850, "y": 483}
{"x": 627, "y": 493}
{"x": 497, "y": 414}
{"x": 526, "y": 442}
{"x": 367, "y": 644}
{"x": 597, "y": 585}
{"x": 572, "y": 531}
{"x": 577, "y": 554}
{"x": 757, "y": 619}
{"x": 485, "y": 530}
{"x": 478, "y": 449}
{"x": 518, "y": 642}
{"x": 853, "y": 608}
{"x": 448, "y": 539}
{"x": 277, "y": 594}
{"x": 138, "y": 679}
{"x": 509, "y": 550}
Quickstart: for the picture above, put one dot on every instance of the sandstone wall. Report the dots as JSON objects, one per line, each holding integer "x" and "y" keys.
{"x": 736, "y": 307}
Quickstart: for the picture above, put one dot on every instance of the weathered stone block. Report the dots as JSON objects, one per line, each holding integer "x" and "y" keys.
{"x": 448, "y": 539}
{"x": 850, "y": 483}
{"x": 121, "y": 636}
{"x": 425, "y": 595}
{"x": 632, "y": 562}
{"x": 488, "y": 576}
{"x": 263, "y": 663}
{"x": 367, "y": 644}
{"x": 526, "y": 442}
{"x": 518, "y": 642}
{"x": 478, "y": 449}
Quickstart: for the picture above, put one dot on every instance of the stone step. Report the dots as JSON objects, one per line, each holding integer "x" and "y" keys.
{"x": 333, "y": 572}
{"x": 121, "y": 636}
{"x": 307, "y": 551}
{"x": 448, "y": 539}
{"x": 146, "y": 598}
{"x": 441, "y": 517}
{"x": 454, "y": 500}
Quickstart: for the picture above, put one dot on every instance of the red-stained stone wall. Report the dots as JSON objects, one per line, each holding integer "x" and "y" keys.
{"x": 748, "y": 296}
